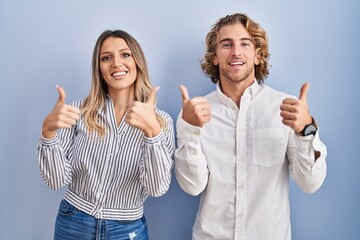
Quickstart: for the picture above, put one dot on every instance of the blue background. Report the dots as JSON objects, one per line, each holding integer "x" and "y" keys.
{"x": 44, "y": 43}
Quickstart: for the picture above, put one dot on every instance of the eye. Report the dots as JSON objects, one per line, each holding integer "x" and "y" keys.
{"x": 126, "y": 55}
{"x": 105, "y": 58}
{"x": 245, "y": 44}
{"x": 226, "y": 44}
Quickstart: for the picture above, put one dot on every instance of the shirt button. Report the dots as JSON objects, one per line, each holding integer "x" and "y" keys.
{"x": 97, "y": 213}
{"x": 241, "y": 185}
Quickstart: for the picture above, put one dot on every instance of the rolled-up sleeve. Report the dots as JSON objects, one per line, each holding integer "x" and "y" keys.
{"x": 309, "y": 173}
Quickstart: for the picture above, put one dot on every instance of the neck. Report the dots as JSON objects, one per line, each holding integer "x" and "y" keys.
{"x": 235, "y": 90}
{"x": 122, "y": 99}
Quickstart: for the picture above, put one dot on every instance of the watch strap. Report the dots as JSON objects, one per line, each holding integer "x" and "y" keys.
{"x": 309, "y": 129}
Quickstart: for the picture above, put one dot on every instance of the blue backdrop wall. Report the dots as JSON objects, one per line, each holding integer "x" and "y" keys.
{"x": 44, "y": 43}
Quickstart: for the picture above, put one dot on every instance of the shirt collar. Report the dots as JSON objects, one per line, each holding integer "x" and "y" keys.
{"x": 108, "y": 102}
{"x": 251, "y": 91}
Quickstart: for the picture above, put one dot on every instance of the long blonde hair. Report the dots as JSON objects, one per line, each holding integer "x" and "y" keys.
{"x": 97, "y": 96}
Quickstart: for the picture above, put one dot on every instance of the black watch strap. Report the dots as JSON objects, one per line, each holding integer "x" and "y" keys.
{"x": 309, "y": 129}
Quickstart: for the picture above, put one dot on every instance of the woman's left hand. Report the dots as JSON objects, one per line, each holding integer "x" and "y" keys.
{"x": 142, "y": 115}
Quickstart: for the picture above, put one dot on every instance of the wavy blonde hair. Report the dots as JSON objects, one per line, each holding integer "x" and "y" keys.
{"x": 257, "y": 34}
{"x": 97, "y": 96}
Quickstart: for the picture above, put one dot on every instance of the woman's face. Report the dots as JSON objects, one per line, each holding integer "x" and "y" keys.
{"x": 117, "y": 65}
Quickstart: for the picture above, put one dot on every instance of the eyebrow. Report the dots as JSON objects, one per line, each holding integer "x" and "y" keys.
{"x": 230, "y": 40}
{"x": 121, "y": 50}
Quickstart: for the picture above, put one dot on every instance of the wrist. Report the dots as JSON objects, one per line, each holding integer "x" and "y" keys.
{"x": 48, "y": 134}
{"x": 150, "y": 133}
{"x": 309, "y": 129}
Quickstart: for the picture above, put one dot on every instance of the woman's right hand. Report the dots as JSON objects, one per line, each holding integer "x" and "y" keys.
{"x": 62, "y": 116}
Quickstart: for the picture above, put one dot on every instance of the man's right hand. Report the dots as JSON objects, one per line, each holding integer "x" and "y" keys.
{"x": 62, "y": 116}
{"x": 195, "y": 111}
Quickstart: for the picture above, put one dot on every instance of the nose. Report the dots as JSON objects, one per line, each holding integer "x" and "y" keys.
{"x": 236, "y": 51}
{"x": 118, "y": 62}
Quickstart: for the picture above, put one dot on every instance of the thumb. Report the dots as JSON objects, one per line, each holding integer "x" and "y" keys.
{"x": 152, "y": 95}
{"x": 184, "y": 94}
{"x": 303, "y": 91}
{"x": 62, "y": 95}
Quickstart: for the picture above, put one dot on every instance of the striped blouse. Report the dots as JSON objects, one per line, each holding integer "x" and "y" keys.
{"x": 110, "y": 177}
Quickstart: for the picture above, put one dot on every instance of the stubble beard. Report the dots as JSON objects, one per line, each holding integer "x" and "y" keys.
{"x": 238, "y": 78}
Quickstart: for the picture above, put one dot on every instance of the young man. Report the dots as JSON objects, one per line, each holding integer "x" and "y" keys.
{"x": 238, "y": 145}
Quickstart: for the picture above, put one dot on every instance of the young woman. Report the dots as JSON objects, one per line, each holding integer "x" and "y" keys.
{"x": 112, "y": 150}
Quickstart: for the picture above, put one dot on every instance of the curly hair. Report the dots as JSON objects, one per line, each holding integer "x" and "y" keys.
{"x": 257, "y": 34}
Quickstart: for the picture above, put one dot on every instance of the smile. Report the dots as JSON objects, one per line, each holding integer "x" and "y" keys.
{"x": 236, "y": 63}
{"x": 118, "y": 74}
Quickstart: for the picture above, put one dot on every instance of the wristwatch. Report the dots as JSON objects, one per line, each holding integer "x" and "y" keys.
{"x": 309, "y": 129}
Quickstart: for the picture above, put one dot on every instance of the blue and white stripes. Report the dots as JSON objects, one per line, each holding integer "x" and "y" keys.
{"x": 108, "y": 177}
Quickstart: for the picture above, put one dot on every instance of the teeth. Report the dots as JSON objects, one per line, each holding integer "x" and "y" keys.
{"x": 116, "y": 74}
{"x": 236, "y": 63}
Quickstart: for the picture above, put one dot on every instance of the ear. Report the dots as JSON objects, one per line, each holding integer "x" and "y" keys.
{"x": 257, "y": 57}
{"x": 215, "y": 61}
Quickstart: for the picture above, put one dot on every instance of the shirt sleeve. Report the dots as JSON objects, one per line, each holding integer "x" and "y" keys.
{"x": 157, "y": 163}
{"x": 308, "y": 173}
{"x": 54, "y": 157}
{"x": 190, "y": 163}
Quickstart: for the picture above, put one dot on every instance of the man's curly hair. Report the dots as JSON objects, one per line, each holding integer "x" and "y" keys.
{"x": 258, "y": 36}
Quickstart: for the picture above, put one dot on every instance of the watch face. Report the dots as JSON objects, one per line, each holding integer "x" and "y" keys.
{"x": 310, "y": 130}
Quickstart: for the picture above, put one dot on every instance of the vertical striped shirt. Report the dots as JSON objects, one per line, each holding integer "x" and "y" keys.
{"x": 110, "y": 177}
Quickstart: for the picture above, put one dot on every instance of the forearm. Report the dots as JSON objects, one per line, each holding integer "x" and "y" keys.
{"x": 191, "y": 174}
{"x": 309, "y": 167}
{"x": 54, "y": 167}
{"x": 156, "y": 167}
{"x": 190, "y": 163}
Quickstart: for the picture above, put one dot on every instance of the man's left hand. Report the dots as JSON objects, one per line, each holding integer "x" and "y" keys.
{"x": 295, "y": 112}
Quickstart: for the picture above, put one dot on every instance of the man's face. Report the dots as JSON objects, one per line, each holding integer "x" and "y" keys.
{"x": 235, "y": 54}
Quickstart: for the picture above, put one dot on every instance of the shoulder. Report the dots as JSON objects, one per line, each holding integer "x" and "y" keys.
{"x": 269, "y": 92}
{"x": 212, "y": 96}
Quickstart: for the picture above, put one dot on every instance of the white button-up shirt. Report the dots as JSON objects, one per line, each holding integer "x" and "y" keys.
{"x": 240, "y": 162}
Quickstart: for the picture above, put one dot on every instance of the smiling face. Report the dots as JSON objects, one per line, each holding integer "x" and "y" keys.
{"x": 235, "y": 55}
{"x": 117, "y": 65}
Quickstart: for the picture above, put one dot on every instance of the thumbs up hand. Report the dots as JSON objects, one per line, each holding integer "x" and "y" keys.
{"x": 196, "y": 111}
{"x": 295, "y": 112}
{"x": 142, "y": 115}
{"x": 62, "y": 116}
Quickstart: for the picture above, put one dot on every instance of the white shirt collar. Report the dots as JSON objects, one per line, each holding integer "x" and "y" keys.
{"x": 252, "y": 90}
